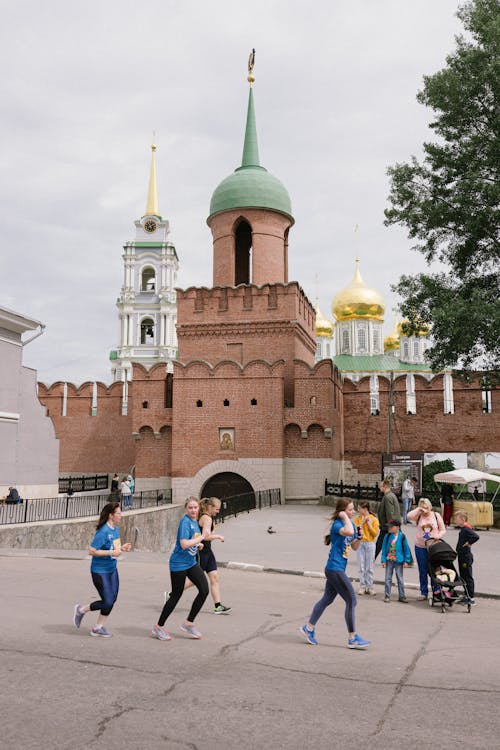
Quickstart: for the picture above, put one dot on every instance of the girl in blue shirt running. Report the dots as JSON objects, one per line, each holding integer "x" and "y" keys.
{"x": 104, "y": 549}
{"x": 184, "y": 564}
{"x": 343, "y": 537}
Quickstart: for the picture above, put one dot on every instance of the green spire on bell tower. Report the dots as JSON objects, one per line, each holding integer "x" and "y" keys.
{"x": 250, "y": 156}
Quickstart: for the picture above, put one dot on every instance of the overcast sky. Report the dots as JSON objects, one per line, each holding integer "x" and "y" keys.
{"x": 83, "y": 86}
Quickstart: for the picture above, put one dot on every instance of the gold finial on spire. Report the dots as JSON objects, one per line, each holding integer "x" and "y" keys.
{"x": 251, "y": 64}
{"x": 152, "y": 204}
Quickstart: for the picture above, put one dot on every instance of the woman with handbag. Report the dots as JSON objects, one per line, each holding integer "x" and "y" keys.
{"x": 430, "y": 526}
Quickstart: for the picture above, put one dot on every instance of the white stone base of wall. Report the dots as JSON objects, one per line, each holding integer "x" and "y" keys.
{"x": 156, "y": 483}
{"x": 261, "y": 473}
{"x": 305, "y": 477}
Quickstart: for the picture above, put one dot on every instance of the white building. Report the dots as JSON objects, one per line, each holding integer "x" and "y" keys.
{"x": 29, "y": 449}
{"x": 147, "y": 302}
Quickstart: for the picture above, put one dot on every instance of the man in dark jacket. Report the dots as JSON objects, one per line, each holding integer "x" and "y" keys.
{"x": 13, "y": 497}
{"x": 388, "y": 508}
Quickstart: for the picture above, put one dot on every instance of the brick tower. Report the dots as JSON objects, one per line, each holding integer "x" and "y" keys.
{"x": 239, "y": 342}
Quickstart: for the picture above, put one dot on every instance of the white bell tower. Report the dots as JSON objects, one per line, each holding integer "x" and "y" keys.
{"x": 147, "y": 303}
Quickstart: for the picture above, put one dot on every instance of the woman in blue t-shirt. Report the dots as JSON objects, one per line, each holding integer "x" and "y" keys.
{"x": 343, "y": 537}
{"x": 184, "y": 564}
{"x": 104, "y": 549}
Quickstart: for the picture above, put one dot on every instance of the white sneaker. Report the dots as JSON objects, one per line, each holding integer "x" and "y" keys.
{"x": 371, "y": 592}
{"x": 361, "y": 592}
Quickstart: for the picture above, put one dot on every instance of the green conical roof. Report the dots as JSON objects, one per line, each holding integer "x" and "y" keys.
{"x": 251, "y": 186}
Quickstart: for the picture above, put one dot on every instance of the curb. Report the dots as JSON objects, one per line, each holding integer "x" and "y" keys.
{"x": 319, "y": 574}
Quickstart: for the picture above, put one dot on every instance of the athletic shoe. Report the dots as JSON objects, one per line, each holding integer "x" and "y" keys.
{"x": 421, "y": 597}
{"x": 190, "y": 630}
{"x": 77, "y": 616}
{"x": 358, "y": 642}
{"x": 472, "y": 602}
{"x": 403, "y": 599}
{"x": 309, "y": 635}
{"x": 220, "y": 609}
{"x": 160, "y": 633}
{"x": 361, "y": 592}
{"x": 387, "y": 599}
{"x": 371, "y": 592}
{"x": 101, "y": 631}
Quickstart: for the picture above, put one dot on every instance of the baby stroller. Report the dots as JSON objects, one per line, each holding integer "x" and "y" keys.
{"x": 447, "y": 586}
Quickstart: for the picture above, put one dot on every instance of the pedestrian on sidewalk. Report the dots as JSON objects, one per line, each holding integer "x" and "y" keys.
{"x": 466, "y": 538}
{"x": 105, "y": 549}
{"x": 396, "y": 555}
{"x": 388, "y": 508}
{"x": 342, "y": 538}
{"x": 184, "y": 564}
{"x": 408, "y": 496}
{"x": 209, "y": 508}
{"x": 447, "y": 499}
{"x": 126, "y": 493}
{"x": 366, "y": 524}
{"x": 430, "y": 527}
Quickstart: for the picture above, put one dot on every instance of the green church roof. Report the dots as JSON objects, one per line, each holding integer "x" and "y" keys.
{"x": 376, "y": 363}
{"x": 251, "y": 185}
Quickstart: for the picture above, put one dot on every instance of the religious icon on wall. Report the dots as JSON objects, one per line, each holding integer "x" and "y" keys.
{"x": 226, "y": 438}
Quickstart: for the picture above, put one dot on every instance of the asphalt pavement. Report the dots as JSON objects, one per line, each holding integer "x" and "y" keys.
{"x": 428, "y": 680}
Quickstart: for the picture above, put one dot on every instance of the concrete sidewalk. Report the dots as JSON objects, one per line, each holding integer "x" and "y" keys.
{"x": 297, "y": 547}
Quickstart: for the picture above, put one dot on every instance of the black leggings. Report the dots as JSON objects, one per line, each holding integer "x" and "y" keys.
{"x": 178, "y": 578}
{"x": 107, "y": 585}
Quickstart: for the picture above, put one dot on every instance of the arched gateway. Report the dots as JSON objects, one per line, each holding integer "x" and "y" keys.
{"x": 226, "y": 484}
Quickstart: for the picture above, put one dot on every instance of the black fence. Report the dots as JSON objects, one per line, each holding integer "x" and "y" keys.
{"x": 76, "y": 506}
{"x": 373, "y": 492}
{"x": 83, "y": 484}
{"x": 231, "y": 506}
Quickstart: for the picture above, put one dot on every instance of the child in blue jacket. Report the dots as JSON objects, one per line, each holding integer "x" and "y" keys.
{"x": 396, "y": 555}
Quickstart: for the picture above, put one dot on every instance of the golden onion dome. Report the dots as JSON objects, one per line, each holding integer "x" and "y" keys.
{"x": 357, "y": 300}
{"x": 391, "y": 342}
{"x": 324, "y": 327}
{"x": 422, "y": 329}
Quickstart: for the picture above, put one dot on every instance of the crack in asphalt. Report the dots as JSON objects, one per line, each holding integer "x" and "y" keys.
{"x": 90, "y": 662}
{"x": 403, "y": 682}
{"x": 264, "y": 629}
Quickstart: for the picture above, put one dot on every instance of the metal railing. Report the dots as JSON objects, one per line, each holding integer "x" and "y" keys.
{"x": 231, "y": 506}
{"x": 83, "y": 484}
{"x": 360, "y": 492}
{"x": 76, "y": 506}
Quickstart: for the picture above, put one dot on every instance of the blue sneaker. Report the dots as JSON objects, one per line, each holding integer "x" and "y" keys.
{"x": 358, "y": 642}
{"x": 77, "y": 616}
{"x": 309, "y": 635}
{"x": 100, "y": 632}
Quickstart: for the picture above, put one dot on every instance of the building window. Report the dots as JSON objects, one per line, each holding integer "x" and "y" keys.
{"x": 253, "y": 402}
{"x": 406, "y": 350}
{"x": 376, "y": 342}
{"x": 199, "y": 403}
{"x": 147, "y": 331}
{"x": 416, "y": 351}
{"x": 148, "y": 281}
{"x": 144, "y": 404}
{"x": 318, "y": 349}
{"x": 362, "y": 339}
{"x": 226, "y": 402}
{"x": 345, "y": 342}
{"x": 328, "y": 349}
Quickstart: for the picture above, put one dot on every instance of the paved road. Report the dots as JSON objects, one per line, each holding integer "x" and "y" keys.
{"x": 429, "y": 679}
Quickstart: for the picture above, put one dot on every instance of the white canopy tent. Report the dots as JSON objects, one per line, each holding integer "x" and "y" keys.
{"x": 467, "y": 476}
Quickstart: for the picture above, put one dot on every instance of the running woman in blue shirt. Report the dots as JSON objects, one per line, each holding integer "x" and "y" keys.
{"x": 105, "y": 548}
{"x": 343, "y": 537}
{"x": 184, "y": 564}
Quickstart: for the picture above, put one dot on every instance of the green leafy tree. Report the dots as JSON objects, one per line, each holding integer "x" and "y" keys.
{"x": 433, "y": 468}
{"x": 449, "y": 201}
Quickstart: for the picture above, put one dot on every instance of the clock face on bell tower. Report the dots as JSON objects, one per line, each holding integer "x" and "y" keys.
{"x": 150, "y": 226}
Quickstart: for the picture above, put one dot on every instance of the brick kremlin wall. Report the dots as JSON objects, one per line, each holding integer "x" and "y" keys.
{"x": 430, "y": 430}
{"x": 90, "y": 444}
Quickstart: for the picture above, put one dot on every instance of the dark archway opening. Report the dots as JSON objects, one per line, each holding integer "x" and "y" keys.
{"x": 242, "y": 248}
{"x": 226, "y": 484}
